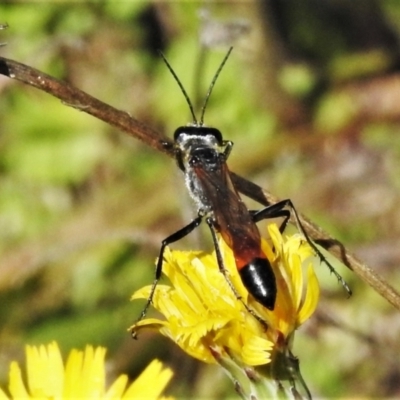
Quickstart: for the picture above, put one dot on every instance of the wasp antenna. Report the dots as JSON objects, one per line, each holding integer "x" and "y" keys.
{"x": 203, "y": 110}
{"x": 181, "y": 86}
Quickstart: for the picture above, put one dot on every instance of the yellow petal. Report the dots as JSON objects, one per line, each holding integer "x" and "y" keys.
{"x": 311, "y": 297}
{"x": 117, "y": 389}
{"x": 45, "y": 370}
{"x": 151, "y": 382}
{"x": 16, "y": 386}
{"x": 3, "y": 396}
{"x": 93, "y": 372}
{"x": 73, "y": 369}
{"x": 296, "y": 280}
{"x": 257, "y": 351}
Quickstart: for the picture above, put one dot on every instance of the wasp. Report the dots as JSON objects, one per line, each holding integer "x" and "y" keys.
{"x": 202, "y": 154}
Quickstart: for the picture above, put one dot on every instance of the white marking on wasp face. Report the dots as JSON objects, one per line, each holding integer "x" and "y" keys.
{"x": 187, "y": 142}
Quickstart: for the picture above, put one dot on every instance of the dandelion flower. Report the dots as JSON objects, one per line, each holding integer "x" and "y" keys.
{"x": 82, "y": 377}
{"x": 204, "y": 317}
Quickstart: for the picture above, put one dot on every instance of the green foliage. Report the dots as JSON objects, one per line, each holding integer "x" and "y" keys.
{"x": 55, "y": 149}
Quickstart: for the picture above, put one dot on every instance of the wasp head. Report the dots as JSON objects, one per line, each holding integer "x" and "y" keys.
{"x": 199, "y": 144}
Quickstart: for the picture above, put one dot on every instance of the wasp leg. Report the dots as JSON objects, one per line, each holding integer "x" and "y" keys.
{"x": 170, "y": 239}
{"x": 210, "y": 223}
{"x": 278, "y": 210}
{"x": 273, "y": 211}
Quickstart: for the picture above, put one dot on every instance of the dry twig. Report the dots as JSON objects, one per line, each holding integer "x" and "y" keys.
{"x": 80, "y": 100}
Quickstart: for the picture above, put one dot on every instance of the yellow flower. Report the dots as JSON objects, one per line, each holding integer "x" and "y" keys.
{"x": 82, "y": 377}
{"x": 206, "y": 320}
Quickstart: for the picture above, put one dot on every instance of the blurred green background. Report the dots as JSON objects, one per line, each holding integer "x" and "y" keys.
{"x": 311, "y": 98}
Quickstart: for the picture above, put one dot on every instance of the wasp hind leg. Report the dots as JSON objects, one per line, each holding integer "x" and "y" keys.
{"x": 285, "y": 209}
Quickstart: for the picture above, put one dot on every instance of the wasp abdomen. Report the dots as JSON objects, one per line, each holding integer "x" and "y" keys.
{"x": 259, "y": 279}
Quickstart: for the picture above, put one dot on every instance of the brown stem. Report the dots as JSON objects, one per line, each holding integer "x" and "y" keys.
{"x": 80, "y": 100}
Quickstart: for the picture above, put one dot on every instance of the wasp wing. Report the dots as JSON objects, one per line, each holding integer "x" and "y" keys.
{"x": 232, "y": 217}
